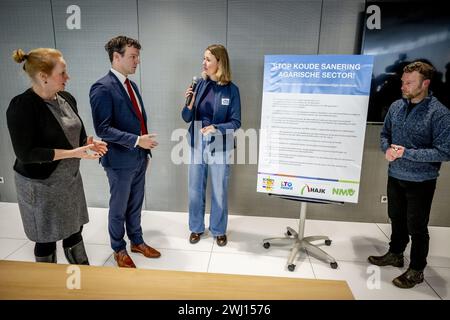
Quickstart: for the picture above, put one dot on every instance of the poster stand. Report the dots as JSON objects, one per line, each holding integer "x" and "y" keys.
{"x": 298, "y": 240}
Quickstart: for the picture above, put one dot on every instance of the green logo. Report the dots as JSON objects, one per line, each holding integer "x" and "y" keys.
{"x": 303, "y": 189}
{"x": 343, "y": 192}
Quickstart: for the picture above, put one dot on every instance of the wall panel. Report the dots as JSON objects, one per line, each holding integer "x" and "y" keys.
{"x": 25, "y": 24}
{"x": 88, "y": 61}
{"x": 174, "y": 35}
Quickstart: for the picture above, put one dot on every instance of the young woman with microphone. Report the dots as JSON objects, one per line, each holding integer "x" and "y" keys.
{"x": 214, "y": 113}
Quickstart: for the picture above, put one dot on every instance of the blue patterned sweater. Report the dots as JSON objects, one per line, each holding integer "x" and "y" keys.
{"x": 425, "y": 134}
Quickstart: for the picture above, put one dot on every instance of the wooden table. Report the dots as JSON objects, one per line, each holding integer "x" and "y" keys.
{"x": 29, "y": 280}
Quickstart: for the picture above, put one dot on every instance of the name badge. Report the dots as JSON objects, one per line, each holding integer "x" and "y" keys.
{"x": 225, "y": 101}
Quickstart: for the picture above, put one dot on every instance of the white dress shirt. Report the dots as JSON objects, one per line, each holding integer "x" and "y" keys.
{"x": 122, "y": 79}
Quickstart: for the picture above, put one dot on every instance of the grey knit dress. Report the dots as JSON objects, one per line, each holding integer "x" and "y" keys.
{"x": 52, "y": 209}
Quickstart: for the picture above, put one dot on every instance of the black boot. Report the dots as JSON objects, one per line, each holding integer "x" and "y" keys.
{"x": 48, "y": 259}
{"x": 389, "y": 259}
{"x": 409, "y": 279}
{"x": 76, "y": 254}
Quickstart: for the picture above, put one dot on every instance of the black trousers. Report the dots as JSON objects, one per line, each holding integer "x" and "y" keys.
{"x": 409, "y": 205}
{"x": 44, "y": 249}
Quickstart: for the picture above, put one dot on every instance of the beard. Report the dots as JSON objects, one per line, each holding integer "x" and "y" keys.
{"x": 409, "y": 96}
{"x": 413, "y": 93}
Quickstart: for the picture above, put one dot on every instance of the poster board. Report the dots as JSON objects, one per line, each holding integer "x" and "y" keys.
{"x": 313, "y": 121}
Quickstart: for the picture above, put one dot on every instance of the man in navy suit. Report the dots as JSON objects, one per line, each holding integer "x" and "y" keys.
{"x": 120, "y": 119}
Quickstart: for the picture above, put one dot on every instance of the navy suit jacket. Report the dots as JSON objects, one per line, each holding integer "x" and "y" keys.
{"x": 116, "y": 122}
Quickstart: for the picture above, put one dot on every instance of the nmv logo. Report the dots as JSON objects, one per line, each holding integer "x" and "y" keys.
{"x": 308, "y": 189}
{"x": 343, "y": 192}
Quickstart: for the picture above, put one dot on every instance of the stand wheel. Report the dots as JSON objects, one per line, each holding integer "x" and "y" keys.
{"x": 291, "y": 267}
{"x": 288, "y": 233}
{"x": 266, "y": 245}
{"x": 333, "y": 265}
{"x": 328, "y": 242}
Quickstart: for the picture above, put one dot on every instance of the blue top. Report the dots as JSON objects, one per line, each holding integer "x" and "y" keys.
{"x": 205, "y": 109}
{"x": 226, "y": 112}
{"x": 425, "y": 134}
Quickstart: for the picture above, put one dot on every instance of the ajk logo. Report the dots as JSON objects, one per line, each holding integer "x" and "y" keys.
{"x": 309, "y": 189}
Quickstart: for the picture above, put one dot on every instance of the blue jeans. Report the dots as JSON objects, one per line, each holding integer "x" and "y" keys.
{"x": 216, "y": 163}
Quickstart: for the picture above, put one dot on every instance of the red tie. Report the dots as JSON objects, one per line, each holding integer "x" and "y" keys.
{"x": 136, "y": 106}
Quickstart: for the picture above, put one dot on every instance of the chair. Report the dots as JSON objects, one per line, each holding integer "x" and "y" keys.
{"x": 300, "y": 242}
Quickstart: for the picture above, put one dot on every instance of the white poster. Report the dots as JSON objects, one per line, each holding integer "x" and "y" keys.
{"x": 313, "y": 122}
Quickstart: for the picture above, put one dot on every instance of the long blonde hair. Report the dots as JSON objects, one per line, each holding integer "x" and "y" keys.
{"x": 37, "y": 60}
{"x": 223, "y": 73}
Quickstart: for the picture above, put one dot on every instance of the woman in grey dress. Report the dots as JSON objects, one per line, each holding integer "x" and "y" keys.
{"x": 49, "y": 141}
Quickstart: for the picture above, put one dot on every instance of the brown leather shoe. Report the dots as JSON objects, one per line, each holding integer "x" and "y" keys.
{"x": 221, "y": 240}
{"x": 123, "y": 259}
{"x": 146, "y": 250}
{"x": 409, "y": 279}
{"x": 195, "y": 237}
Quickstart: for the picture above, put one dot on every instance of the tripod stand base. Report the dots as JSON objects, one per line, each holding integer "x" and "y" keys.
{"x": 298, "y": 242}
{"x": 301, "y": 244}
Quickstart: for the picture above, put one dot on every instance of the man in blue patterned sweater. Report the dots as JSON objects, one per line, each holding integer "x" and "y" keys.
{"x": 416, "y": 140}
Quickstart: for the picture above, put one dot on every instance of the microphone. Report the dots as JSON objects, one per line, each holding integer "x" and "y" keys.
{"x": 193, "y": 85}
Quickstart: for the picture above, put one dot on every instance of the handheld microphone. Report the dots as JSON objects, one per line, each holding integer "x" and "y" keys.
{"x": 193, "y": 85}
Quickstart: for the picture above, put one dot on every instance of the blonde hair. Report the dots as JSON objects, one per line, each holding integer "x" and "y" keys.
{"x": 37, "y": 60}
{"x": 223, "y": 73}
